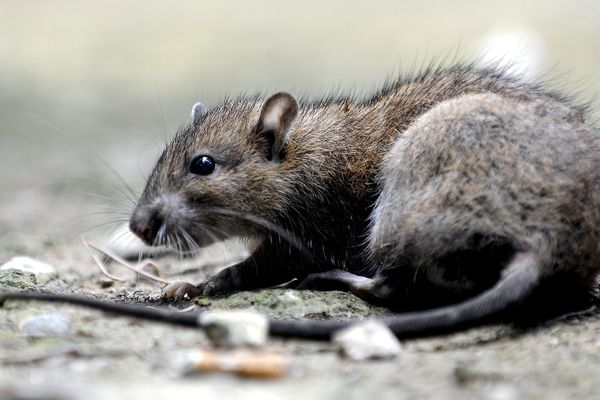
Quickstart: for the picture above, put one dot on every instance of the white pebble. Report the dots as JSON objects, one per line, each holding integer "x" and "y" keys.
{"x": 28, "y": 264}
{"x": 367, "y": 340}
{"x": 46, "y": 325}
{"x": 235, "y": 328}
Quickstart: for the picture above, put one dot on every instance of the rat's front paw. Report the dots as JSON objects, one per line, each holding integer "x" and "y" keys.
{"x": 185, "y": 291}
{"x": 182, "y": 291}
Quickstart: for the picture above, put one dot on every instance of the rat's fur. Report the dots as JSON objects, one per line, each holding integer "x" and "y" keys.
{"x": 461, "y": 186}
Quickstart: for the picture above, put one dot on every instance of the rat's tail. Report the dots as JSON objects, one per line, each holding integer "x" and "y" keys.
{"x": 131, "y": 310}
{"x": 518, "y": 281}
{"x": 521, "y": 277}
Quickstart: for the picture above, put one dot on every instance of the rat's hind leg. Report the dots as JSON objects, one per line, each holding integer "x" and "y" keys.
{"x": 337, "y": 279}
{"x": 377, "y": 290}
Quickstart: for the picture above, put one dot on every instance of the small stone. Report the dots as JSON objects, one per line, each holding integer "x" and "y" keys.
{"x": 367, "y": 340}
{"x": 235, "y": 328}
{"x": 46, "y": 325}
{"x": 28, "y": 264}
{"x": 106, "y": 283}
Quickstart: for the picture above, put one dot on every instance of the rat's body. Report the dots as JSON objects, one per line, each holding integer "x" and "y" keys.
{"x": 460, "y": 185}
{"x": 430, "y": 187}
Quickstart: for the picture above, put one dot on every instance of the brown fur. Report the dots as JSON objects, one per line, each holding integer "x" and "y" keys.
{"x": 436, "y": 179}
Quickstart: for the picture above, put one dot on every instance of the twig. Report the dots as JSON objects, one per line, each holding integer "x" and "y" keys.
{"x": 137, "y": 269}
{"x": 99, "y": 263}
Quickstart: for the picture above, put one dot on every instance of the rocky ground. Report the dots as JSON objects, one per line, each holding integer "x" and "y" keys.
{"x": 92, "y": 355}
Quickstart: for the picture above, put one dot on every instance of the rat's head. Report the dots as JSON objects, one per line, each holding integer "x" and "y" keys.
{"x": 220, "y": 177}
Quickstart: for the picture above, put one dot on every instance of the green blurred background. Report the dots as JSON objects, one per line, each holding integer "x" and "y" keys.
{"x": 85, "y": 81}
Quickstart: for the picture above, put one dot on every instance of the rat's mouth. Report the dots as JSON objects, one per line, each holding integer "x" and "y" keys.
{"x": 156, "y": 221}
{"x": 146, "y": 226}
{"x": 167, "y": 221}
{"x": 160, "y": 232}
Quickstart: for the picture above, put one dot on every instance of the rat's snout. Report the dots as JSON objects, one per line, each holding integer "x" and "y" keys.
{"x": 145, "y": 224}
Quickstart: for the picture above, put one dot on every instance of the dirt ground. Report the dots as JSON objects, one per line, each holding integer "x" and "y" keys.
{"x": 102, "y": 357}
{"x": 90, "y": 92}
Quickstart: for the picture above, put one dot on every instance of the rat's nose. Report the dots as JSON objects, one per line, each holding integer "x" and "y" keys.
{"x": 145, "y": 224}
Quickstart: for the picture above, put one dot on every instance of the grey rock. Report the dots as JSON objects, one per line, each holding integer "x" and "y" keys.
{"x": 367, "y": 340}
{"x": 53, "y": 324}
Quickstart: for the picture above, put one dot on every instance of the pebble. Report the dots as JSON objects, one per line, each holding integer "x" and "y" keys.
{"x": 46, "y": 325}
{"x": 234, "y": 328}
{"x": 28, "y": 264}
{"x": 367, "y": 340}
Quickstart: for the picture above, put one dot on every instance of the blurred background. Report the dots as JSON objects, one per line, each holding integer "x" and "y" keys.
{"x": 90, "y": 90}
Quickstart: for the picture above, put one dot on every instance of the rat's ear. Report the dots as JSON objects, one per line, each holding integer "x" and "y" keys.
{"x": 198, "y": 112}
{"x": 276, "y": 117}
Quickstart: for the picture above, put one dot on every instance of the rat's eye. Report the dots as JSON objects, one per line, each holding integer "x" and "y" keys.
{"x": 202, "y": 165}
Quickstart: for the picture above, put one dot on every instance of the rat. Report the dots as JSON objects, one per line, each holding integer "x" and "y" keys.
{"x": 451, "y": 197}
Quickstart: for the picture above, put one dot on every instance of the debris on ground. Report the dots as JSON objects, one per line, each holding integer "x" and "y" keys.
{"x": 367, "y": 340}
{"x": 233, "y": 328}
{"x": 248, "y": 363}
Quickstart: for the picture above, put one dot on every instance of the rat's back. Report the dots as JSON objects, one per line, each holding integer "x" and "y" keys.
{"x": 480, "y": 177}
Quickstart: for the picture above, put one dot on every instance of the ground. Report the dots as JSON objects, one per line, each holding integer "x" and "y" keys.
{"x": 106, "y": 356}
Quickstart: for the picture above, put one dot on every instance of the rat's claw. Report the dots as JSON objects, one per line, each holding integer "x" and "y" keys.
{"x": 181, "y": 291}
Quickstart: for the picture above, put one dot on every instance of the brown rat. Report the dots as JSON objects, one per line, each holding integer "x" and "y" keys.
{"x": 436, "y": 189}
{"x": 460, "y": 191}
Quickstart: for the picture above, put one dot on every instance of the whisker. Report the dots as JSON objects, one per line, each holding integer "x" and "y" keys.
{"x": 158, "y": 239}
{"x": 105, "y": 212}
{"x": 191, "y": 243}
{"x": 105, "y": 224}
{"x": 177, "y": 243}
{"x": 48, "y": 124}
{"x": 97, "y": 196}
{"x": 184, "y": 244}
